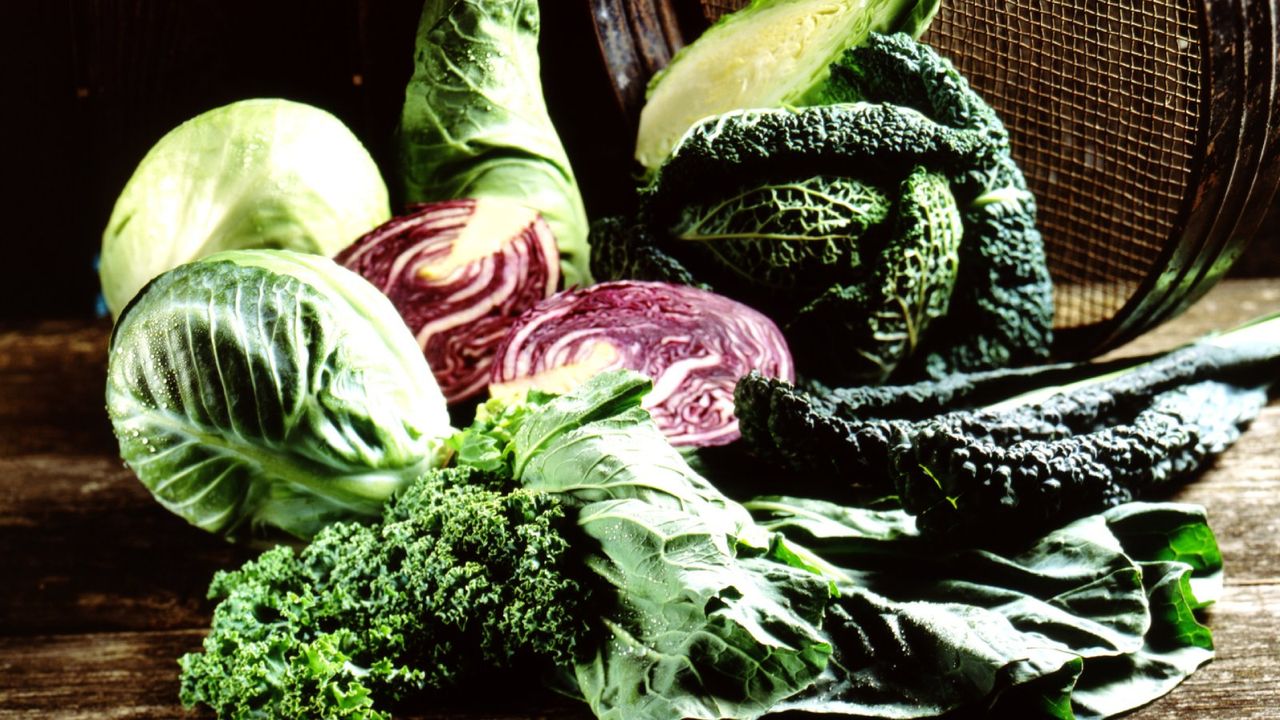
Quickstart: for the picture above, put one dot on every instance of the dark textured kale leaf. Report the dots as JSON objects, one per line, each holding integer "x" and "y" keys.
{"x": 1102, "y": 435}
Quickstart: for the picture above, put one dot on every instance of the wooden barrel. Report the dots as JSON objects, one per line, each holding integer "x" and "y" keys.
{"x": 1147, "y": 129}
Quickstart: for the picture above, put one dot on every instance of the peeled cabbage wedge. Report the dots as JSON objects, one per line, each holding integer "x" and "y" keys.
{"x": 769, "y": 54}
{"x": 265, "y": 394}
{"x": 262, "y": 173}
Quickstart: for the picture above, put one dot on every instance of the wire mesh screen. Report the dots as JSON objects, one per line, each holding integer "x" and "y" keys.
{"x": 1102, "y": 103}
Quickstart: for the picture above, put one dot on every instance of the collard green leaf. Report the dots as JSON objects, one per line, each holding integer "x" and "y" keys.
{"x": 697, "y": 631}
{"x": 710, "y": 615}
{"x": 598, "y": 444}
{"x": 1093, "y": 619}
{"x": 261, "y": 391}
{"x": 475, "y": 124}
{"x": 1182, "y": 573}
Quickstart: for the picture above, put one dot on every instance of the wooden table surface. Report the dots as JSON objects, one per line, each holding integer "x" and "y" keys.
{"x": 101, "y": 589}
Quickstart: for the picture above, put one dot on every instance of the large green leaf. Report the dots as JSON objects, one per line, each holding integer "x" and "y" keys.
{"x": 697, "y": 630}
{"x": 270, "y": 390}
{"x": 1093, "y": 619}
{"x": 708, "y": 615}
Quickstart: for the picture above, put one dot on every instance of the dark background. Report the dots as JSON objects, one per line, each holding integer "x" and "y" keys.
{"x": 92, "y": 84}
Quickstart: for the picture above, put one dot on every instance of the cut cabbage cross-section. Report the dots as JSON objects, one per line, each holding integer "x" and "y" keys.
{"x": 460, "y": 272}
{"x": 693, "y": 344}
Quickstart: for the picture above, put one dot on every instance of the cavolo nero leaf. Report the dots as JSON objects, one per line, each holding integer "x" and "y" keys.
{"x": 475, "y": 124}
{"x": 1091, "y": 620}
{"x": 262, "y": 391}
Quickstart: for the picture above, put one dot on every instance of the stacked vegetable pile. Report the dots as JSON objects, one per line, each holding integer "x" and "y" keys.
{"x": 860, "y": 221}
{"x": 612, "y": 520}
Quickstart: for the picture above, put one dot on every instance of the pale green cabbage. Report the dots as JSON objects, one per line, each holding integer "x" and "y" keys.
{"x": 262, "y": 173}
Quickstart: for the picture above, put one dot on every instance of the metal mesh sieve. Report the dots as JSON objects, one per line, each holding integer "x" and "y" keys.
{"x": 1101, "y": 104}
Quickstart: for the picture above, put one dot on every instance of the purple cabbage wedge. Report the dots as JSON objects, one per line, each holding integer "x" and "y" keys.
{"x": 460, "y": 272}
{"x": 693, "y": 344}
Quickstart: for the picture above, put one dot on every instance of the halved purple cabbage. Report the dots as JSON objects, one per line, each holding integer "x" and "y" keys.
{"x": 694, "y": 344}
{"x": 460, "y": 272}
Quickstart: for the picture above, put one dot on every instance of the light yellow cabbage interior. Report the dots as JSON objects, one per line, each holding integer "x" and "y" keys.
{"x": 763, "y": 56}
{"x": 600, "y": 356}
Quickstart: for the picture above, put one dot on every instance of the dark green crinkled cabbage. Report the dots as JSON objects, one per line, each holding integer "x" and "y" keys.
{"x": 857, "y": 224}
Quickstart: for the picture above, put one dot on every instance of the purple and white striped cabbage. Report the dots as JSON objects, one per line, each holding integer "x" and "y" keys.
{"x": 460, "y": 272}
{"x": 693, "y": 344}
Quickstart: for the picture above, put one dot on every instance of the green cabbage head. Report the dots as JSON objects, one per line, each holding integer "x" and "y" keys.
{"x": 260, "y": 393}
{"x": 263, "y": 173}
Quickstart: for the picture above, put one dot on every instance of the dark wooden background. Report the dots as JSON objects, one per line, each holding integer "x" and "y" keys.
{"x": 90, "y": 85}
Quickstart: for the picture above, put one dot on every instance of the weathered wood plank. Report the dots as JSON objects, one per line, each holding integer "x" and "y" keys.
{"x": 86, "y": 548}
{"x": 120, "y": 675}
{"x": 52, "y": 376}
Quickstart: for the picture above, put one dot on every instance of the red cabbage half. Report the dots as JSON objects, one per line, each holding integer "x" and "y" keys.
{"x": 694, "y": 344}
{"x": 460, "y": 272}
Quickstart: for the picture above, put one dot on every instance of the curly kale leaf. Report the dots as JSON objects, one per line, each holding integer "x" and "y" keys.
{"x": 461, "y": 577}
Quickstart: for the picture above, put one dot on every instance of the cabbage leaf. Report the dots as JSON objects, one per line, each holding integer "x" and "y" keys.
{"x": 475, "y": 124}
{"x": 259, "y": 392}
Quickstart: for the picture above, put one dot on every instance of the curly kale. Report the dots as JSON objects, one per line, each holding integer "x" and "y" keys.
{"x": 857, "y": 223}
{"x": 1089, "y": 437}
{"x": 462, "y": 576}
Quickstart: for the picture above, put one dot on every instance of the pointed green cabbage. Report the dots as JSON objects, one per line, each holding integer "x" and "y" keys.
{"x": 475, "y": 124}
{"x": 259, "y": 391}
